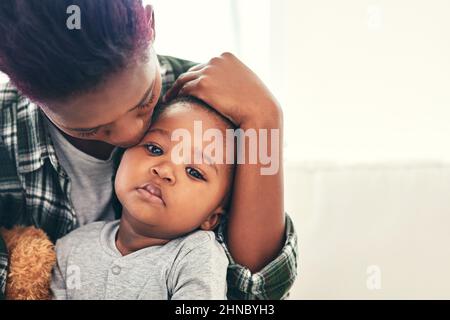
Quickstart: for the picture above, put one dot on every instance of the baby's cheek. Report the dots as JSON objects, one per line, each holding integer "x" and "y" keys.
{"x": 119, "y": 188}
{"x": 189, "y": 204}
{"x": 124, "y": 175}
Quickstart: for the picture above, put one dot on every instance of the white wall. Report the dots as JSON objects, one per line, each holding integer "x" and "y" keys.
{"x": 367, "y": 80}
{"x": 378, "y": 231}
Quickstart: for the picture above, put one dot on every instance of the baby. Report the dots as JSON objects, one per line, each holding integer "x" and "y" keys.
{"x": 163, "y": 247}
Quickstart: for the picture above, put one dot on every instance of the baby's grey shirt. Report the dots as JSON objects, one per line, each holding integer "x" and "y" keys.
{"x": 89, "y": 266}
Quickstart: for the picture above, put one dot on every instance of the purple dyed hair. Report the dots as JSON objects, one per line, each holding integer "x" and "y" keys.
{"x": 47, "y": 61}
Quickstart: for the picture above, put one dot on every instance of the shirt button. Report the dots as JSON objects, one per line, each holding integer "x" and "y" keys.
{"x": 116, "y": 270}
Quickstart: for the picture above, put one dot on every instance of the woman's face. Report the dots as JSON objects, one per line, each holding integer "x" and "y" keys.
{"x": 163, "y": 198}
{"x": 118, "y": 112}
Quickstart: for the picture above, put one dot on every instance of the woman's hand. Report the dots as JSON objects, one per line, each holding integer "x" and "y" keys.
{"x": 230, "y": 87}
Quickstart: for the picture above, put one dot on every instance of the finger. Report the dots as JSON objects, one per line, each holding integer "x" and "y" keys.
{"x": 190, "y": 88}
{"x": 179, "y": 83}
{"x": 197, "y": 67}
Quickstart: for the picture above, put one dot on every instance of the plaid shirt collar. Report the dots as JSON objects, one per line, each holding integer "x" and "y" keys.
{"x": 33, "y": 148}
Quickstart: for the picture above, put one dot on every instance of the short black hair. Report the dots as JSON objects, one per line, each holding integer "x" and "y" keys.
{"x": 46, "y": 60}
{"x": 195, "y": 101}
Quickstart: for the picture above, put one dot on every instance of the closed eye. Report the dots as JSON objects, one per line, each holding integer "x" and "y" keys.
{"x": 88, "y": 133}
{"x": 148, "y": 104}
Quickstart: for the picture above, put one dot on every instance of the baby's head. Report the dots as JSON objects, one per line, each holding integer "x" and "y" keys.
{"x": 163, "y": 198}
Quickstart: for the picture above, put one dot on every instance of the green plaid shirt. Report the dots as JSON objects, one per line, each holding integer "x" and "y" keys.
{"x": 34, "y": 190}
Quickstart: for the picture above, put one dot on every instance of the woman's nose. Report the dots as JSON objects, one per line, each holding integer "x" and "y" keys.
{"x": 164, "y": 172}
{"x": 127, "y": 133}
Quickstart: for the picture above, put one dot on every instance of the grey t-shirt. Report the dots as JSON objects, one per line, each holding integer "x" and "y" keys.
{"x": 89, "y": 266}
{"x": 91, "y": 185}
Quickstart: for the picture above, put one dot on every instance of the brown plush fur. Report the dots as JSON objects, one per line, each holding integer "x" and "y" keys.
{"x": 31, "y": 259}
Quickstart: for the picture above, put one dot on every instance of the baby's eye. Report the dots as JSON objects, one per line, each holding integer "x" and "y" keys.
{"x": 154, "y": 149}
{"x": 194, "y": 173}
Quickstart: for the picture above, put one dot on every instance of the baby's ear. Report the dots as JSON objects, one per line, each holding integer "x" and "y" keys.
{"x": 213, "y": 220}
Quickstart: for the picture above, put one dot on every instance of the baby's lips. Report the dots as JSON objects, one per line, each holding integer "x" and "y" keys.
{"x": 153, "y": 189}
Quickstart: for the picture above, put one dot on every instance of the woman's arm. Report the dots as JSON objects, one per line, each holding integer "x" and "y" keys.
{"x": 257, "y": 221}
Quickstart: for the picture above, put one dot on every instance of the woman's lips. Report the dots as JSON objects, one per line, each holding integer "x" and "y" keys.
{"x": 151, "y": 193}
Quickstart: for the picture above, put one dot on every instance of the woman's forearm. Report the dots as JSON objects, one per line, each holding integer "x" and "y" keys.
{"x": 257, "y": 220}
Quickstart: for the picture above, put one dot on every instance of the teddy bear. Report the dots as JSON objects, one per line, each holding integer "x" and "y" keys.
{"x": 31, "y": 257}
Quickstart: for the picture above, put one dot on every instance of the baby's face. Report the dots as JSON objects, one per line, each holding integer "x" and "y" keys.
{"x": 165, "y": 199}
